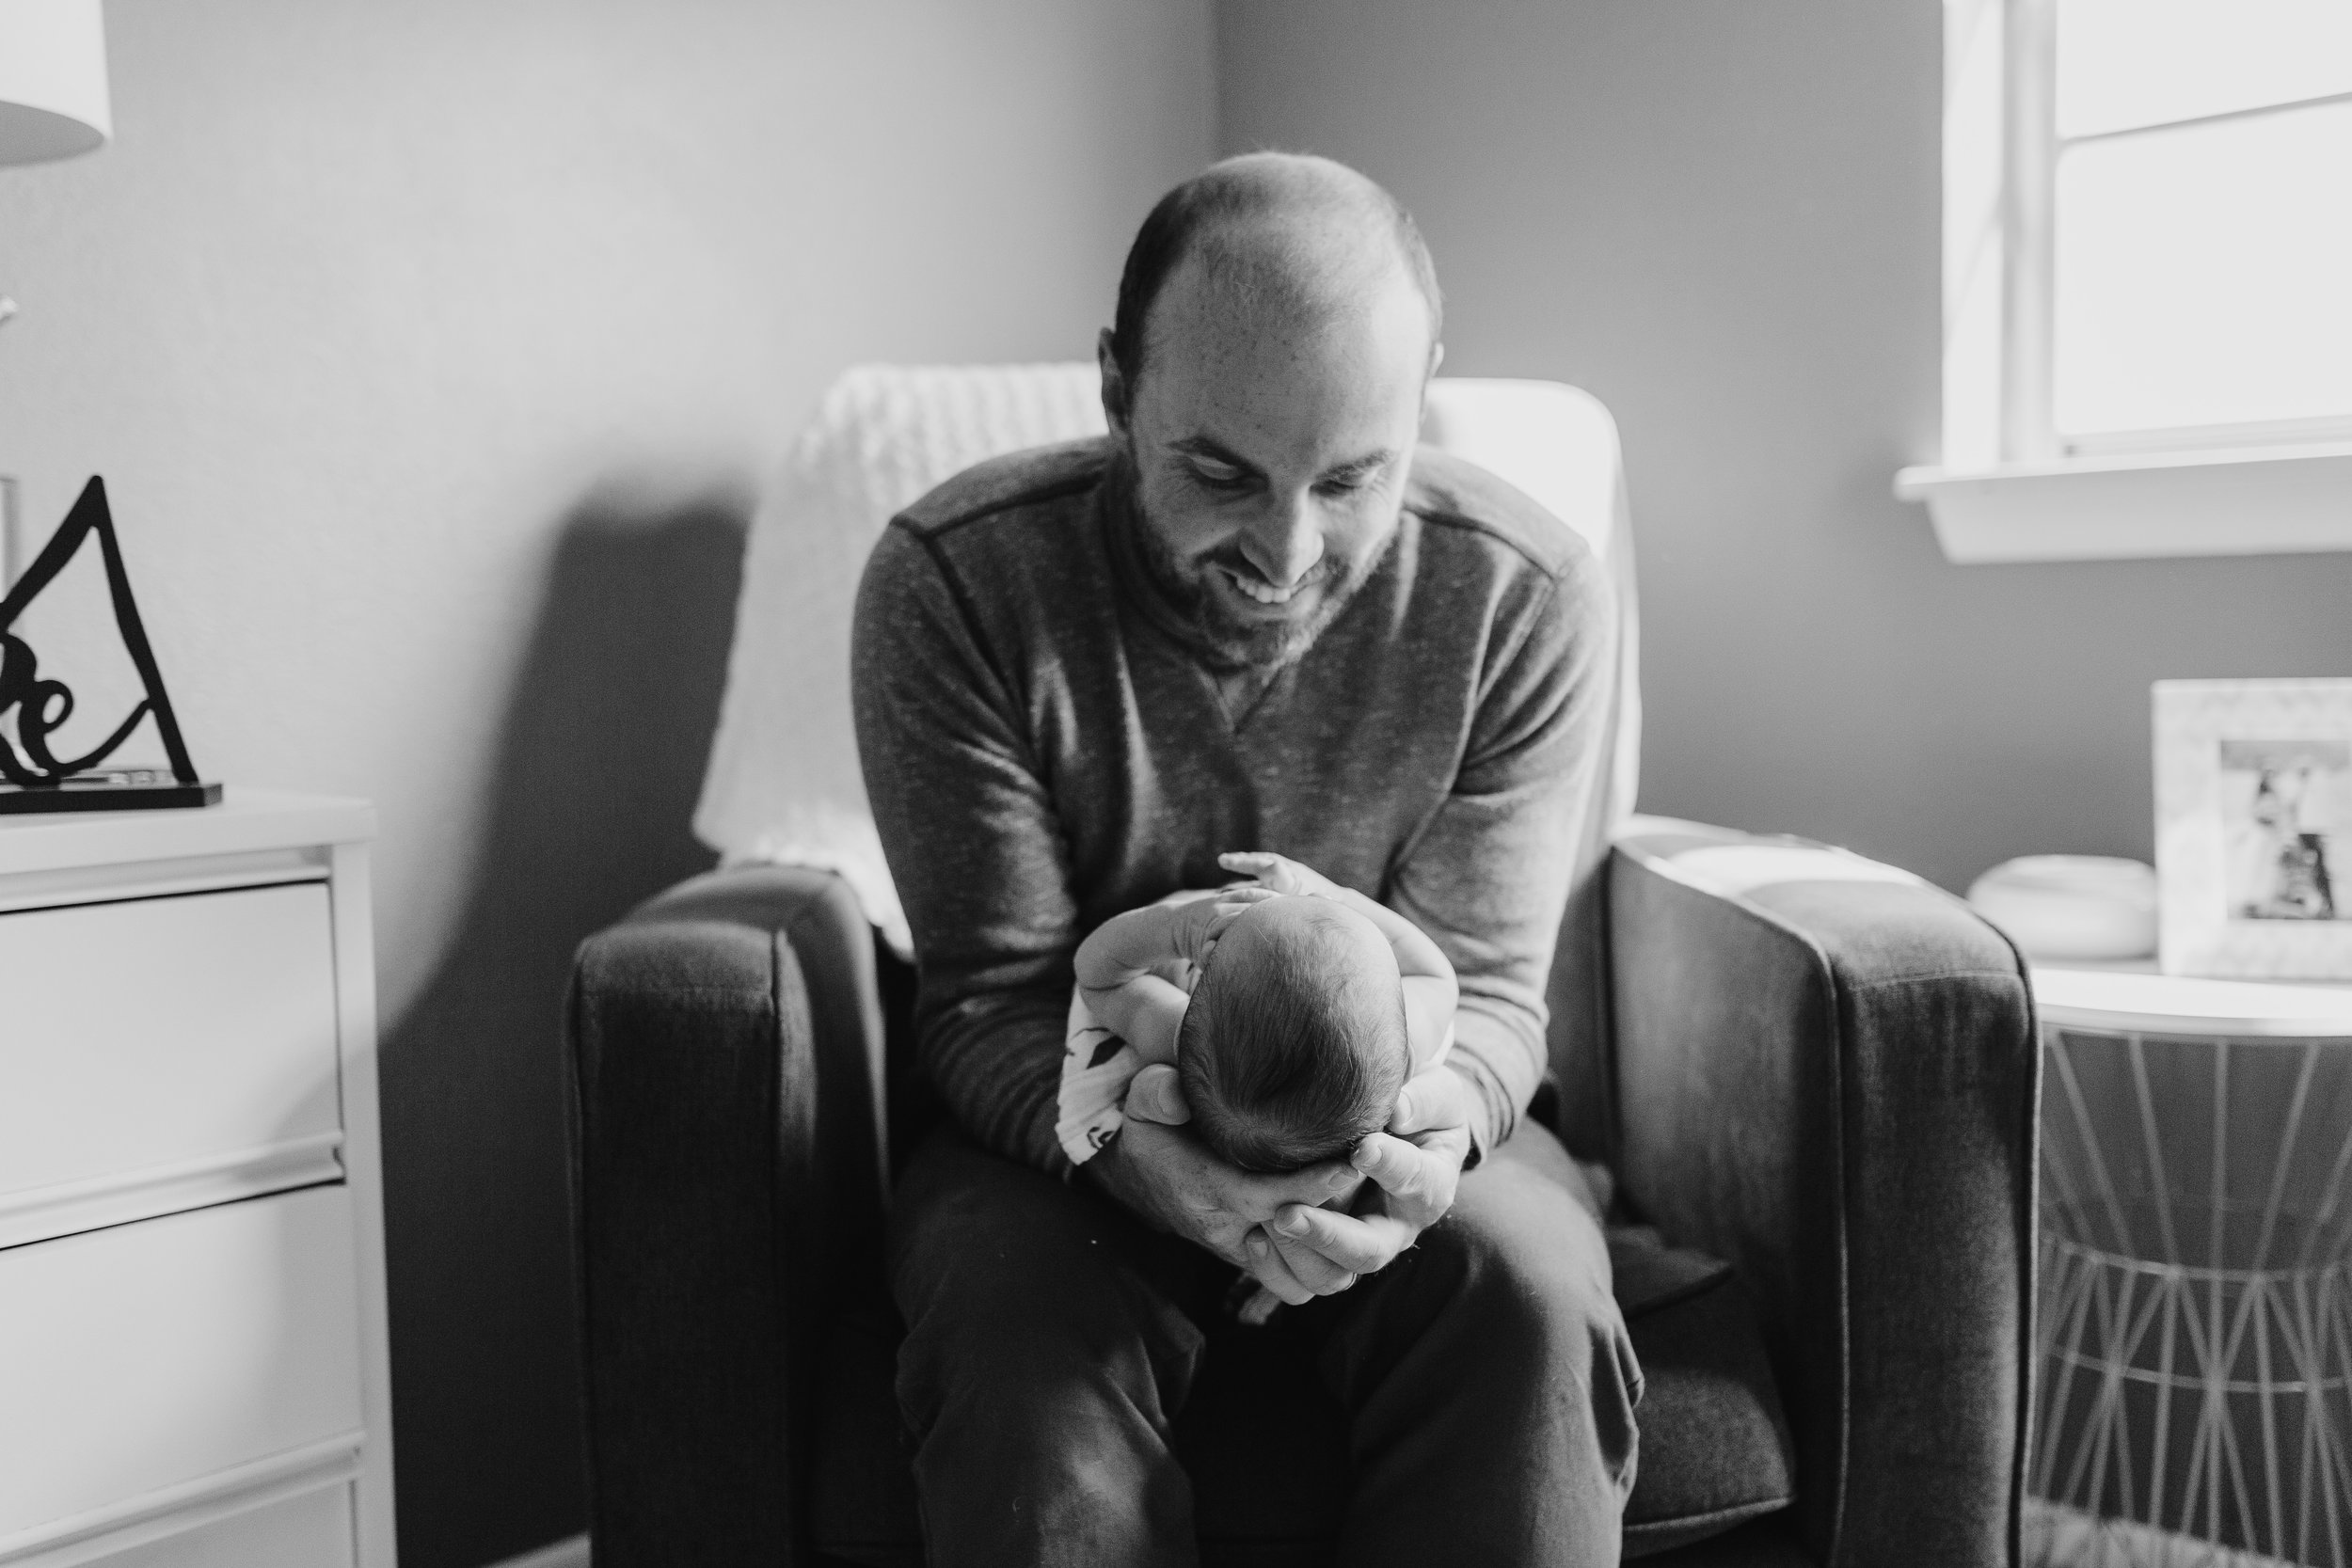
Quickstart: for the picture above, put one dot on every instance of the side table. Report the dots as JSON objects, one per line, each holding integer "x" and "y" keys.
{"x": 192, "y": 1346}
{"x": 2195, "y": 1304}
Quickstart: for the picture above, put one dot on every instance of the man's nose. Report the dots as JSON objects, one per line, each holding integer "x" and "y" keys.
{"x": 1285, "y": 543}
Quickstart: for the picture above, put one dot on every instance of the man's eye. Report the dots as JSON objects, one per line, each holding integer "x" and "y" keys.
{"x": 1220, "y": 478}
{"x": 1342, "y": 486}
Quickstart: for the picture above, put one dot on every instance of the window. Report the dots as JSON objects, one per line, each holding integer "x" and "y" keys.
{"x": 2199, "y": 221}
{"x": 2148, "y": 273}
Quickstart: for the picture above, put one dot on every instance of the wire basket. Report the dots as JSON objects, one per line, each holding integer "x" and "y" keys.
{"x": 2195, "y": 1311}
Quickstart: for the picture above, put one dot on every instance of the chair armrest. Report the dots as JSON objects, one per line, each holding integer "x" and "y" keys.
{"x": 1827, "y": 1071}
{"x": 725, "y": 1048}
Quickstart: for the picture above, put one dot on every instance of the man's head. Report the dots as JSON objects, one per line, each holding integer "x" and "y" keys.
{"x": 1295, "y": 1043}
{"x": 1277, "y": 327}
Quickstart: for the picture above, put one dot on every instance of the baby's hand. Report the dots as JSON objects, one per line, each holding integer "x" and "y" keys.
{"x": 1275, "y": 873}
{"x": 1204, "y": 920}
{"x": 1228, "y": 906}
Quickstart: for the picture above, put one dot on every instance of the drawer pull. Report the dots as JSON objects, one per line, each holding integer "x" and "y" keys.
{"x": 39, "y": 1213}
{"x": 91, "y": 884}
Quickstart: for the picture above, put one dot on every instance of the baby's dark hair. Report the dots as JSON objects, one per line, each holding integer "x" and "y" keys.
{"x": 1296, "y": 1060}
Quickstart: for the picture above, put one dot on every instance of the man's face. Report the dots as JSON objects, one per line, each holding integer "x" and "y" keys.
{"x": 1271, "y": 447}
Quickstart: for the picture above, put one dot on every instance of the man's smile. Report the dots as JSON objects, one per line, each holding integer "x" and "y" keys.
{"x": 1258, "y": 590}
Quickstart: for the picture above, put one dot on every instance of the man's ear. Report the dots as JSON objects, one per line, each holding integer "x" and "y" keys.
{"x": 1437, "y": 358}
{"x": 1114, "y": 384}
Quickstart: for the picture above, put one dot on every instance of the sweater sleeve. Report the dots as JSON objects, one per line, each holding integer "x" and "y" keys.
{"x": 970, "y": 833}
{"x": 1490, "y": 876}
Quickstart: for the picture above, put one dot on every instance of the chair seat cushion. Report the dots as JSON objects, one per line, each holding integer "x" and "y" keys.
{"x": 1715, "y": 1449}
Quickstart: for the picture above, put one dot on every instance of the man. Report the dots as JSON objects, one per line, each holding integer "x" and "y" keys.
{"x": 1252, "y": 618}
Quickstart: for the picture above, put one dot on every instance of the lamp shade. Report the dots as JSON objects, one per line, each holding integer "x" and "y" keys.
{"x": 52, "y": 80}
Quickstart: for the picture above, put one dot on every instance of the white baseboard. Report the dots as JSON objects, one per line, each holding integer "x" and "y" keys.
{"x": 571, "y": 1552}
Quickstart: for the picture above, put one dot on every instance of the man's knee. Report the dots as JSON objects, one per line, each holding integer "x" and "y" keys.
{"x": 1041, "y": 1370}
{"x": 1533, "y": 1293}
{"x": 1503, "y": 1306}
{"x": 1529, "y": 1266}
{"x": 1016, "y": 1288}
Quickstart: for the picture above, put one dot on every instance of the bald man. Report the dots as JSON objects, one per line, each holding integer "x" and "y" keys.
{"x": 1252, "y": 617}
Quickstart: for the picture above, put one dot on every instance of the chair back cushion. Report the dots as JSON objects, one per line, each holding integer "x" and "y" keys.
{"x": 783, "y": 784}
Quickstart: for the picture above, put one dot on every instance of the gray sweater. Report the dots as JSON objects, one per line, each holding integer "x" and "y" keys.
{"x": 1045, "y": 746}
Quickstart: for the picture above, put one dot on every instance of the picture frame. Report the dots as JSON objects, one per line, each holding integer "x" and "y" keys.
{"x": 2254, "y": 828}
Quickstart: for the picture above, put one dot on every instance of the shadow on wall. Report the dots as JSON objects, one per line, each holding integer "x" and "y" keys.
{"x": 604, "y": 744}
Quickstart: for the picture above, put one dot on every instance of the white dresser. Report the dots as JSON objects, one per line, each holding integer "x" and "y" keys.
{"x": 192, "y": 1343}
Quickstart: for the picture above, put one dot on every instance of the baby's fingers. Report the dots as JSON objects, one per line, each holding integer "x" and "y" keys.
{"x": 1278, "y": 872}
{"x": 1230, "y": 905}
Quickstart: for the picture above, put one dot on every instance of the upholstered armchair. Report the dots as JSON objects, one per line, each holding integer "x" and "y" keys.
{"x": 1812, "y": 1077}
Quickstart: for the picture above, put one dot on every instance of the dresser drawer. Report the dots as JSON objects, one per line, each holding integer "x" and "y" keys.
{"x": 311, "y": 1529}
{"x": 163, "y": 1052}
{"x": 152, "y": 1366}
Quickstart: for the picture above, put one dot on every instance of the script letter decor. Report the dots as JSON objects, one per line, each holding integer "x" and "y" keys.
{"x": 33, "y": 707}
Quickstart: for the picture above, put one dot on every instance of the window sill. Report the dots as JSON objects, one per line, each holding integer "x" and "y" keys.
{"x": 2261, "y": 501}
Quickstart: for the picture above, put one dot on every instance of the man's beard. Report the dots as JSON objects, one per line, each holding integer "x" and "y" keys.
{"x": 1229, "y": 642}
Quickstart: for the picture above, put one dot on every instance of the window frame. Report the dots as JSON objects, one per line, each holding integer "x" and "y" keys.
{"x": 2011, "y": 486}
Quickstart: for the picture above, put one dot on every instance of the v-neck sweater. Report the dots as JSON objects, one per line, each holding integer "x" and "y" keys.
{"x": 1046, "y": 743}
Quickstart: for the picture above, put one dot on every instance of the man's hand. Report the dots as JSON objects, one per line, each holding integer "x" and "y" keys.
{"x": 1168, "y": 1176}
{"x": 1157, "y": 1094}
{"x": 1413, "y": 1168}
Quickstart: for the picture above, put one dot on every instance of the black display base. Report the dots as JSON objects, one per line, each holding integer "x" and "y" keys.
{"x": 136, "y": 789}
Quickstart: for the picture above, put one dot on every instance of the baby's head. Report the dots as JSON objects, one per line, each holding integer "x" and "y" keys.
{"x": 1295, "y": 1043}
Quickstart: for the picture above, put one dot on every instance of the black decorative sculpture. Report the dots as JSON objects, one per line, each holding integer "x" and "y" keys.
{"x": 32, "y": 777}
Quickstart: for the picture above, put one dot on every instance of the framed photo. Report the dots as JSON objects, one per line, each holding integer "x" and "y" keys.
{"x": 2254, "y": 828}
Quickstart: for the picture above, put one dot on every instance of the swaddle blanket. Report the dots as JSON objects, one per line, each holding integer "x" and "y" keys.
{"x": 1097, "y": 1066}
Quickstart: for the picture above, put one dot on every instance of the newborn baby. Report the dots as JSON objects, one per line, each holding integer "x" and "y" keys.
{"x": 1293, "y": 1008}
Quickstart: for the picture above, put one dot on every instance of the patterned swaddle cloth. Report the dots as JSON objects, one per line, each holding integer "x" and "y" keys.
{"x": 1097, "y": 1066}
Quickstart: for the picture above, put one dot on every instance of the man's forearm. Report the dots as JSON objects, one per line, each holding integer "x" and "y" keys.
{"x": 1502, "y": 1058}
{"x": 997, "y": 1062}
{"x": 1490, "y": 878}
{"x": 974, "y": 845}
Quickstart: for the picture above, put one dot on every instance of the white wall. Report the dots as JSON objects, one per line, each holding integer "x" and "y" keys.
{"x": 1721, "y": 218}
{"x": 430, "y": 350}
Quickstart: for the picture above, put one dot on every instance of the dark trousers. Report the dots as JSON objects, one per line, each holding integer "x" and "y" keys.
{"x": 1052, "y": 1337}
